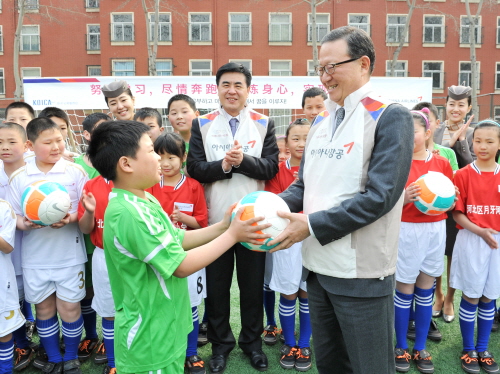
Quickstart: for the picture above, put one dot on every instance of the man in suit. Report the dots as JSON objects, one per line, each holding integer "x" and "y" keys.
{"x": 233, "y": 151}
{"x": 350, "y": 188}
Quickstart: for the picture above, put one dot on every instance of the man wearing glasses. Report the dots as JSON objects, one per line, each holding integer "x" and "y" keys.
{"x": 351, "y": 182}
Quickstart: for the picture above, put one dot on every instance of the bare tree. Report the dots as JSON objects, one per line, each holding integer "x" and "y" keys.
{"x": 152, "y": 49}
{"x": 314, "y": 31}
{"x": 402, "y": 37}
{"x": 474, "y": 81}
{"x": 18, "y": 93}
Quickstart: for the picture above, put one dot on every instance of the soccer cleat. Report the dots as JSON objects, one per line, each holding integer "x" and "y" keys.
{"x": 487, "y": 362}
{"x": 287, "y": 360}
{"x": 434, "y": 334}
{"x": 202, "y": 334}
{"x": 22, "y": 358}
{"x": 52, "y": 368}
{"x": 100, "y": 356}
{"x": 109, "y": 370}
{"x": 410, "y": 334}
{"x": 270, "y": 333}
{"x": 86, "y": 347}
{"x": 470, "y": 362}
{"x": 195, "y": 365}
{"x": 303, "y": 359}
{"x": 41, "y": 359}
{"x": 30, "y": 329}
{"x": 402, "y": 360}
{"x": 423, "y": 360}
{"x": 72, "y": 367}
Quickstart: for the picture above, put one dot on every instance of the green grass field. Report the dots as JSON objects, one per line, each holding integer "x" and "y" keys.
{"x": 445, "y": 354}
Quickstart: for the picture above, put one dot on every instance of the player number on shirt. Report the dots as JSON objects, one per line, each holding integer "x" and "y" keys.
{"x": 199, "y": 285}
{"x": 81, "y": 274}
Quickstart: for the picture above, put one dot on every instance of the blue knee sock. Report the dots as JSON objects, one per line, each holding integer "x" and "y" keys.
{"x": 287, "y": 320}
{"x": 467, "y": 317}
{"x": 108, "y": 337}
{"x": 20, "y": 338}
{"x": 72, "y": 334}
{"x": 305, "y": 323}
{"x": 7, "y": 357}
{"x": 412, "y": 311}
{"x": 27, "y": 312}
{"x": 192, "y": 338}
{"x": 402, "y": 306}
{"x": 89, "y": 319}
{"x": 48, "y": 330}
{"x": 423, "y": 316}
{"x": 485, "y": 316}
{"x": 269, "y": 301}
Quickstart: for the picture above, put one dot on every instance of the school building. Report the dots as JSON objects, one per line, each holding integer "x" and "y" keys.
{"x": 271, "y": 37}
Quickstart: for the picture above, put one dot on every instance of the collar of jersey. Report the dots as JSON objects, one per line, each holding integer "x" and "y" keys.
{"x": 31, "y": 168}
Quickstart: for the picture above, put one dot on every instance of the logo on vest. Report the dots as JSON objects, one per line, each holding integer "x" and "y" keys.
{"x": 338, "y": 153}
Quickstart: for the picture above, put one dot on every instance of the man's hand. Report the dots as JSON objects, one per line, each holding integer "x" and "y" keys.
{"x": 234, "y": 156}
{"x": 296, "y": 231}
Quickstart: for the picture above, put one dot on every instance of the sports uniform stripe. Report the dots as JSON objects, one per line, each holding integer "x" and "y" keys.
{"x": 424, "y": 301}
{"x": 123, "y": 250}
{"x": 180, "y": 183}
{"x": 287, "y": 163}
{"x": 285, "y": 310}
{"x": 48, "y": 331}
{"x": 141, "y": 210}
{"x": 158, "y": 248}
{"x": 497, "y": 170}
{"x": 108, "y": 333}
{"x": 473, "y": 165}
{"x": 133, "y": 331}
{"x": 7, "y": 354}
{"x": 466, "y": 315}
{"x": 161, "y": 281}
{"x": 72, "y": 333}
{"x": 486, "y": 314}
{"x": 401, "y": 303}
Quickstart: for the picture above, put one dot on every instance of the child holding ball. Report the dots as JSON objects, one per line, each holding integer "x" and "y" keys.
{"x": 475, "y": 267}
{"x": 287, "y": 265}
{"x": 422, "y": 240}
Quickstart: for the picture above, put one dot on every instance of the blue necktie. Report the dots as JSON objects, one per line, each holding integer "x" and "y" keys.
{"x": 233, "y": 123}
{"x": 339, "y": 118}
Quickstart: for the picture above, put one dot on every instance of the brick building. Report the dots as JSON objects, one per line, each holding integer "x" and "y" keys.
{"x": 271, "y": 37}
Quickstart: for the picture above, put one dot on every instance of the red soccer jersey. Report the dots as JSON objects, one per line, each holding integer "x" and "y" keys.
{"x": 188, "y": 195}
{"x": 283, "y": 179}
{"x": 418, "y": 168}
{"x": 100, "y": 188}
{"x": 479, "y": 197}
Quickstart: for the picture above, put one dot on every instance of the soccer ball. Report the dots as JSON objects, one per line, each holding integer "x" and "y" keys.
{"x": 437, "y": 193}
{"x": 265, "y": 204}
{"x": 45, "y": 203}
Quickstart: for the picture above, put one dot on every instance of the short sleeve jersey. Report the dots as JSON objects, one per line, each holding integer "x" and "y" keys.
{"x": 418, "y": 168}
{"x": 449, "y": 154}
{"x": 9, "y": 299}
{"x": 283, "y": 179}
{"x": 100, "y": 188}
{"x": 153, "y": 313}
{"x": 479, "y": 197}
{"x": 49, "y": 248}
{"x": 189, "y": 197}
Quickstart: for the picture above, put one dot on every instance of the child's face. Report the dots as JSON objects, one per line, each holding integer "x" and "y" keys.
{"x": 456, "y": 110}
{"x": 433, "y": 123}
{"x": 486, "y": 143}
{"x": 313, "y": 106}
{"x": 284, "y": 152}
{"x": 21, "y": 116}
{"x": 154, "y": 129}
{"x": 63, "y": 126}
{"x": 170, "y": 164}
{"x": 296, "y": 141}
{"x": 12, "y": 147}
{"x": 48, "y": 147}
{"x": 420, "y": 136}
{"x": 87, "y": 135}
{"x": 145, "y": 165}
{"x": 122, "y": 107}
{"x": 181, "y": 116}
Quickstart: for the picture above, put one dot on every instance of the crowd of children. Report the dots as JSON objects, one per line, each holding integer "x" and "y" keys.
{"x": 134, "y": 179}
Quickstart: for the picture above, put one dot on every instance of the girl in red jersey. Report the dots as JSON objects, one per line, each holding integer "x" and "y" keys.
{"x": 287, "y": 264}
{"x": 475, "y": 268}
{"x": 183, "y": 199}
{"x": 422, "y": 241}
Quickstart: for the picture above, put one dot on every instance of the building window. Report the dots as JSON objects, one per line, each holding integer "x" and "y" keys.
{"x": 92, "y": 4}
{"x": 311, "y": 71}
{"x": 164, "y": 27}
{"x": 497, "y": 114}
{"x": 31, "y": 5}
{"x": 280, "y": 27}
{"x": 497, "y": 77}
{"x": 2, "y": 82}
{"x": 245, "y": 63}
{"x": 498, "y": 30}
{"x": 94, "y": 70}
{"x": 280, "y": 67}
{"x": 282, "y": 118}
{"x": 465, "y": 73}
{"x": 435, "y": 71}
{"x": 123, "y": 67}
{"x": 401, "y": 68}
{"x": 122, "y": 27}
{"x": 361, "y": 21}
{"x": 200, "y": 27}
{"x": 433, "y": 29}
{"x": 163, "y": 67}
{"x": 465, "y": 31}
{"x": 30, "y": 38}
{"x": 395, "y": 28}
{"x": 1, "y": 38}
{"x": 93, "y": 37}
{"x": 322, "y": 26}
{"x": 240, "y": 27}
{"x": 200, "y": 67}
{"x": 31, "y": 72}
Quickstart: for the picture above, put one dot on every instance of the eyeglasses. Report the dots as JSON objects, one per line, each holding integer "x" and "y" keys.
{"x": 330, "y": 68}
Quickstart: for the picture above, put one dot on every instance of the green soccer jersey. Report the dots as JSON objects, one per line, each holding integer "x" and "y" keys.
{"x": 153, "y": 313}
{"x": 449, "y": 154}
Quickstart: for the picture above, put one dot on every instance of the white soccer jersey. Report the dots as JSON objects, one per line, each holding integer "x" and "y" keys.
{"x": 49, "y": 248}
{"x": 9, "y": 298}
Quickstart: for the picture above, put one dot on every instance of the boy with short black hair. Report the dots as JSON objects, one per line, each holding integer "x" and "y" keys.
{"x": 152, "y": 118}
{"x": 146, "y": 256}
{"x": 181, "y": 111}
{"x": 19, "y": 112}
{"x": 53, "y": 260}
{"x": 313, "y": 102}
{"x": 60, "y": 117}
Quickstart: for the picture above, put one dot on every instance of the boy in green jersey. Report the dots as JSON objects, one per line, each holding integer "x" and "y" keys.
{"x": 145, "y": 254}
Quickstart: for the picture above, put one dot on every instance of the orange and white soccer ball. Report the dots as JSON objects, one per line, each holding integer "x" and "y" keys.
{"x": 437, "y": 193}
{"x": 265, "y": 204}
{"x": 45, "y": 202}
